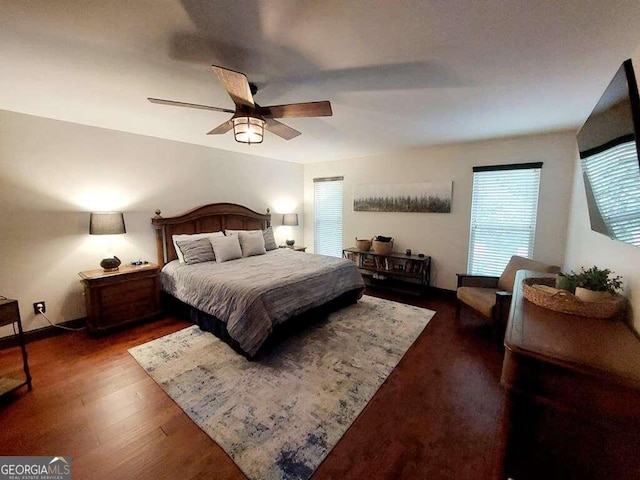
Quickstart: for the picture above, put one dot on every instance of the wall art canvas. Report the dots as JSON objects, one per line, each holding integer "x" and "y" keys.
{"x": 434, "y": 197}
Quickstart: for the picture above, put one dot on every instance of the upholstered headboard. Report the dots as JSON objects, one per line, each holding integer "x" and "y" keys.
{"x": 208, "y": 218}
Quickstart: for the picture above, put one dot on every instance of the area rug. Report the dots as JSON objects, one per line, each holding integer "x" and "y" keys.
{"x": 279, "y": 417}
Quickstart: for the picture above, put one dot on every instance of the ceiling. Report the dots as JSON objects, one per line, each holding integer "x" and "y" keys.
{"x": 398, "y": 74}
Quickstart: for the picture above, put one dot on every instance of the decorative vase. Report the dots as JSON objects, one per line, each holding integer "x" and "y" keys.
{"x": 587, "y": 295}
{"x": 110, "y": 264}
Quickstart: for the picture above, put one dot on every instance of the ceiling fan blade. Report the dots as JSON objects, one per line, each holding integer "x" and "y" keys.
{"x": 236, "y": 84}
{"x": 281, "y": 129}
{"x": 222, "y": 128}
{"x": 189, "y": 105}
{"x": 307, "y": 109}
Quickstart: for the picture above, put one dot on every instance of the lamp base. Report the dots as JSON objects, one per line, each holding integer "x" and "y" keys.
{"x": 290, "y": 243}
{"x": 110, "y": 264}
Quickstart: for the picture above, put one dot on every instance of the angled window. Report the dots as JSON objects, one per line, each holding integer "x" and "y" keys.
{"x": 504, "y": 208}
{"x": 327, "y": 216}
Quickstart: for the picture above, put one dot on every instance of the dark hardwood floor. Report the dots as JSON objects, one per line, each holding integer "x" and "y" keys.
{"x": 436, "y": 417}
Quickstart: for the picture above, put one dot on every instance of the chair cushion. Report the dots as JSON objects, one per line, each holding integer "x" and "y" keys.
{"x": 508, "y": 277}
{"x": 481, "y": 299}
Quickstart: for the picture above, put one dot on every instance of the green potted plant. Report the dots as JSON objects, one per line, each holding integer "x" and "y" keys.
{"x": 566, "y": 281}
{"x": 593, "y": 284}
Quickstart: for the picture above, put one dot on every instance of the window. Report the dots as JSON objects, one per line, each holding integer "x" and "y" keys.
{"x": 614, "y": 180}
{"x": 503, "y": 215}
{"x": 327, "y": 216}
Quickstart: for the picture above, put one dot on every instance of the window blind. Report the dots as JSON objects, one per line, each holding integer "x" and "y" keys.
{"x": 327, "y": 216}
{"x": 615, "y": 183}
{"x": 503, "y": 216}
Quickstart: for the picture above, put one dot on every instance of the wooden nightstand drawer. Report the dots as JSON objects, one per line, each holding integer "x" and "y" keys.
{"x": 115, "y": 299}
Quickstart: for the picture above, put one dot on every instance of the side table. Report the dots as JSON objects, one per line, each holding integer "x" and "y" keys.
{"x": 10, "y": 314}
{"x": 117, "y": 298}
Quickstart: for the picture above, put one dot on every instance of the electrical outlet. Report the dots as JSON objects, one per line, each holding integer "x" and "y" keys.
{"x": 37, "y": 305}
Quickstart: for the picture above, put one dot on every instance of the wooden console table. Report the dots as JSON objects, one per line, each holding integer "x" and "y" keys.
{"x": 572, "y": 407}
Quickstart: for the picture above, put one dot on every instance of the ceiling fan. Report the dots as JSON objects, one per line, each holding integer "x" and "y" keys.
{"x": 250, "y": 119}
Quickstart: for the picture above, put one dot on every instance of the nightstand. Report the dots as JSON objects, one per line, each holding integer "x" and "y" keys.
{"x": 114, "y": 299}
{"x": 295, "y": 248}
{"x": 10, "y": 314}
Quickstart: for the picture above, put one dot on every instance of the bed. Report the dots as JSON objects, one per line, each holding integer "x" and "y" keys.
{"x": 245, "y": 300}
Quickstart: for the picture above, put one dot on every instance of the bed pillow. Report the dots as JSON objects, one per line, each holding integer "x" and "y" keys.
{"x": 269, "y": 239}
{"x": 191, "y": 236}
{"x": 228, "y": 233}
{"x": 196, "y": 251}
{"x": 251, "y": 243}
{"x": 226, "y": 248}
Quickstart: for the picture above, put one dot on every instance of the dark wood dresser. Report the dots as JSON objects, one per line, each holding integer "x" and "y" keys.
{"x": 114, "y": 299}
{"x": 572, "y": 407}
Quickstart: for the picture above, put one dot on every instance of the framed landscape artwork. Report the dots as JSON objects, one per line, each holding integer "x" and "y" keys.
{"x": 434, "y": 197}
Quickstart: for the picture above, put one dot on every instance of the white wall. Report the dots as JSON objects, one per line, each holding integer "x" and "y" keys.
{"x": 446, "y": 236}
{"x": 587, "y": 248}
{"x": 52, "y": 174}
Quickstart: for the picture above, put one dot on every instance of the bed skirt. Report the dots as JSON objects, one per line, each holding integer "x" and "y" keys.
{"x": 210, "y": 323}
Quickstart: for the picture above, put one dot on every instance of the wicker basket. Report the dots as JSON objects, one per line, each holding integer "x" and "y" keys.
{"x": 565, "y": 302}
{"x": 363, "y": 245}
{"x": 382, "y": 248}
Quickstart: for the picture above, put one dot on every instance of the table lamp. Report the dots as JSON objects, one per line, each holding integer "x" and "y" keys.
{"x": 107, "y": 223}
{"x": 290, "y": 220}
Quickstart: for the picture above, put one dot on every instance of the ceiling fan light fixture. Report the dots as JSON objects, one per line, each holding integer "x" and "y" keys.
{"x": 248, "y": 129}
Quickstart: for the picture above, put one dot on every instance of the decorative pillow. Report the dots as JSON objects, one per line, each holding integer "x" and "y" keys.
{"x": 269, "y": 239}
{"x": 228, "y": 233}
{"x": 226, "y": 248}
{"x": 252, "y": 243}
{"x": 196, "y": 251}
{"x": 193, "y": 236}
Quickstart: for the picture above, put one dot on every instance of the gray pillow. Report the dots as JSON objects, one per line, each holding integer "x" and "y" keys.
{"x": 226, "y": 248}
{"x": 269, "y": 239}
{"x": 252, "y": 243}
{"x": 196, "y": 251}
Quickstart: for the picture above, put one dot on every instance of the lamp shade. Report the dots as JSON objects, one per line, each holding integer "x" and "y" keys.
{"x": 290, "y": 219}
{"x": 107, "y": 223}
{"x": 248, "y": 129}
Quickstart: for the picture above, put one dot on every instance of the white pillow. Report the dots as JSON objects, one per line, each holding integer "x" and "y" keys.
{"x": 252, "y": 243}
{"x": 226, "y": 248}
{"x": 267, "y": 233}
{"x": 193, "y": 236}
{"x": 235, "y": 232}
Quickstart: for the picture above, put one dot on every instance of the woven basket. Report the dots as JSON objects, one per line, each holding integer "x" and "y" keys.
{"x": 363, "y": 245}
{"x": 382, "y": 248}
{"x": 565, "y": 302}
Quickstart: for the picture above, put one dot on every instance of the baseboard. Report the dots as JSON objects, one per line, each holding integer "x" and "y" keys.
{"x": 444, "y": 293}
{"x": 41, "y": 333}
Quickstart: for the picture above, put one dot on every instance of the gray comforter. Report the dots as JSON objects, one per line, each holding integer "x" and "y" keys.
{"x": 253, "y": 294}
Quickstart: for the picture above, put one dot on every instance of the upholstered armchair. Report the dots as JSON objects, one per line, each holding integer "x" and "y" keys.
{"x": 491, "y": 296}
